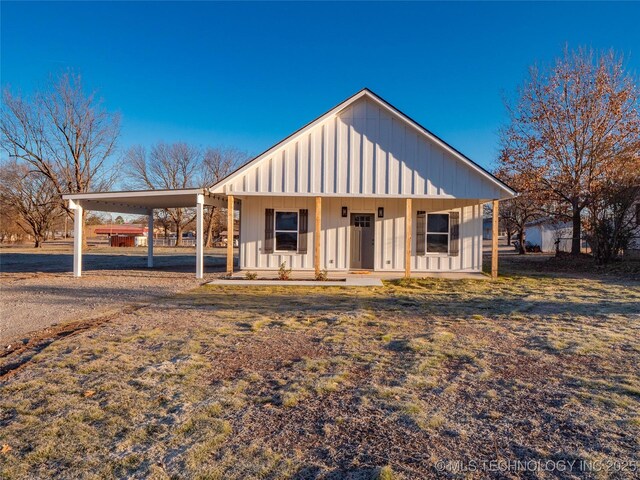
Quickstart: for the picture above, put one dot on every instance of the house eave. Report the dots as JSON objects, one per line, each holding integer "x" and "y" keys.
{"x": 243, "y": 194}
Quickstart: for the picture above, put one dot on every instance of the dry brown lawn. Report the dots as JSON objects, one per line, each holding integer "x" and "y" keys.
{"x": 274, "y": 382}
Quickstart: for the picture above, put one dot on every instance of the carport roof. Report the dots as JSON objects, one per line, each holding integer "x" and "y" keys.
{"x": 142, "y": 201}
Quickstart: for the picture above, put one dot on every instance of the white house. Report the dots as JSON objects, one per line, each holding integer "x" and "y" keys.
{"x": 549, "y": 235}
{"x": 362, "y": 187}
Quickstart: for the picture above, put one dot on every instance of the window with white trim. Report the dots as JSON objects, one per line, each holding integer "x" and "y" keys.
{"x": 437, "y": 234}
{"x": 286, "y": 231}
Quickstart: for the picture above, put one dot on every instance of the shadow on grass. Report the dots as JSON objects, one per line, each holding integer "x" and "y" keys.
{"x": 63, "y": 262}
{"x": 624, "y": 272}
{"x": 275, "y": 300}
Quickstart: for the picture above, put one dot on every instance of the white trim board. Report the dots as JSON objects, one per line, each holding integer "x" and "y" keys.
{"x": 131, "y": 193}
{"x": 142, "y": 201}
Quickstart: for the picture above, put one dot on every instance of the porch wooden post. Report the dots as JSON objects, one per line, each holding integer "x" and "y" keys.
{"x": 494, "y": 241}
{"x": 407, "y": 239}
{"x": 230, "y": 230}
{"x": 316, "y": 236}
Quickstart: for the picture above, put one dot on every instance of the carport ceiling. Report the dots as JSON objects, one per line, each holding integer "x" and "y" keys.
{"x": 142, "y": 201}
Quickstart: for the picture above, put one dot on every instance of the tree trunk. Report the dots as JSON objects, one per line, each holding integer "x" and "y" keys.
{"x": 577, "y": 230}
{"x": 212, "y": 211}
{"x": 37, "y": 243}
{"x": 178, "y": 234}
{"x": 84, "y": 230}
{"x": 521, "y": 248}
{"x": 509, "y": 236}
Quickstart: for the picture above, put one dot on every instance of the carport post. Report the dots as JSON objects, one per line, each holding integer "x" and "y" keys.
{"x": 199, "y": 237}
{"x": 150, "y": 240}
{"x": 77, "y": 238}
{"x": 230, "y": 230}
{"x": 408, "y": 215}
{"x": 494, "y": 240}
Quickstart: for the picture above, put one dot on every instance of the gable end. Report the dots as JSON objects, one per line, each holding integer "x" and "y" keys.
{"x": 364, "y": 147}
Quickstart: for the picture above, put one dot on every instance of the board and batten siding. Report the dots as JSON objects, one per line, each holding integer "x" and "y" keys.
{"x": 363, "y": 150}
{"x": 335, "y": 244}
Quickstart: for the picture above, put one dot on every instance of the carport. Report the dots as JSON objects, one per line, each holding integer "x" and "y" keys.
{"x": 144, "y": 202}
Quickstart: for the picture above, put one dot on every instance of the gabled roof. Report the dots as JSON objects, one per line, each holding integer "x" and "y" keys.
{"x": 365, "y": 92}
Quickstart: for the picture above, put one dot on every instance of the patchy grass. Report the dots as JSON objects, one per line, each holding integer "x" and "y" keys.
{"x": 280, "y": 382}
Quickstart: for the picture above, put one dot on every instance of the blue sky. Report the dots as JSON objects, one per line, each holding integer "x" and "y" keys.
{"x": 248, "y": 74}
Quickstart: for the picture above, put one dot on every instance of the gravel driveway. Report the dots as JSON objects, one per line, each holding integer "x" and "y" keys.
{"x": 38, "y": 290}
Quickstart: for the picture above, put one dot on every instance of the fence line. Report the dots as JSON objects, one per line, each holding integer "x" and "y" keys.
{"x": 171, "y": 242}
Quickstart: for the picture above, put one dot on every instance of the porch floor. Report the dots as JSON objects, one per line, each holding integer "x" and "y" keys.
{"x": 363, "y": 278}
{"x": 345, "y": 282}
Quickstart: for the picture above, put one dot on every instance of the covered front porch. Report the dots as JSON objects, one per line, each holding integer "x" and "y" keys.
{"x": 342, "y": 234}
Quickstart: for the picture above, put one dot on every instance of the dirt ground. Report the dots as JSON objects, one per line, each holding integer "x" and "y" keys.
{"x": 417, "y": 379}
{"x": 38, "y": 290}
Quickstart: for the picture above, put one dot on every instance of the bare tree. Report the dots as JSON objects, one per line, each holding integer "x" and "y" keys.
{"x": 10, "y": 230}
{"x": 508, "y": 228}
{"x": 573, "y": 122}
{"x": 32, "y": 196}
{"x": 217, "y": 163}
{"x": 517, "y": 212}
{"x": 167, "y": 166}
{"x": 62, "y": 133}
{"x": 612, "y": 220}
{"x": 163, "y": 218}
{"x": 503, "y": 221}
{"x": 95, "y": 219}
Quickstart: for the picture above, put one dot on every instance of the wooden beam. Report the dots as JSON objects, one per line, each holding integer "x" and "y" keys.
{"x": 494, "y": 241}
{"x": 407, "y": 239}
{"x": 230, "y": 230}
{"x": 316, "y": 236}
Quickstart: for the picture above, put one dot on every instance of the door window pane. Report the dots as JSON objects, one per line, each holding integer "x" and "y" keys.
{"x": 362, "y": 221}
